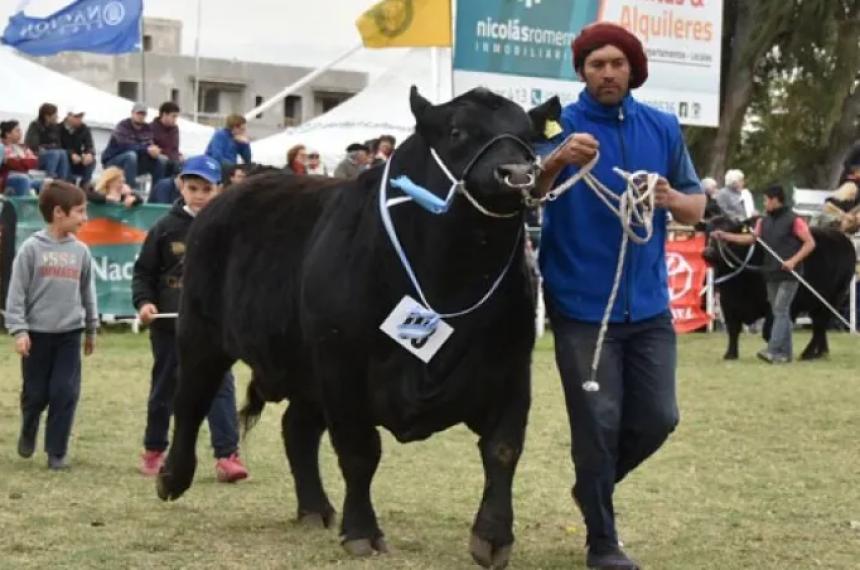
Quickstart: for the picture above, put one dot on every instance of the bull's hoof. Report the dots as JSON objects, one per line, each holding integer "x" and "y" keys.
{"x": 812, "y": 355}
{"x": 317, "y": 520}
{"x": 364, "y": 547}
{"x": 170, "y": 486}
{"x": 730, "y": 356}
{"x": 488, "y": 556}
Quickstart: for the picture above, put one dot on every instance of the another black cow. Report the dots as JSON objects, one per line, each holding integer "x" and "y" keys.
{"x": 294, "y": 275}
{"x": 743, "y": 296}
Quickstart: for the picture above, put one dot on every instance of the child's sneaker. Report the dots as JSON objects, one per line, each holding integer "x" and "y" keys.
{"x": 230, "y": 469}
{"x": 151, "y": 462}
{"x": 58, "y": 462}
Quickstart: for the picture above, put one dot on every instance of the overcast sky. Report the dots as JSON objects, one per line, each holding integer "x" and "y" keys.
{"x": 276, "y": 31}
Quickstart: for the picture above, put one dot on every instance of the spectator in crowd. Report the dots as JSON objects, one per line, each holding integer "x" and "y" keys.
{"x": 165, "y": 135}
{"x": 17, "y": 160}
{"x": 710, "y": 188}
{"x": 297, "y": 158}
{"x": 384, "y": 148}
{"x": 132, "y": 148}
{"x": 77, "y": 140}
{"x": 234, "y": 174}
{"x": 51, "y": 301}
{"x": 355, "y": 163}
{"x": 43, "y": 138}
{"x": 788, "y": 234}
{"x": 112, "y": 189}
{"x": 231, "y": 142}
{"x": 156, "y": 287}
{"x": 734, "y": 200}
{"x": 315, "y": 165}
{"x": 165, "y": 192}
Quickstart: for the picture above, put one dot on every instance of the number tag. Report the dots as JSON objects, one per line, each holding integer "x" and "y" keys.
{"x": 416, "y": 328}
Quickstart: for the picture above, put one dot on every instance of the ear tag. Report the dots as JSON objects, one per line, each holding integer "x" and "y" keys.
{"x": 552, "y": 129}
{"x": 423, "y": 197}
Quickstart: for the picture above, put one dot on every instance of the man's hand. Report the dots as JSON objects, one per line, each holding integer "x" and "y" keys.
{"x": 242, "y": 138}
{"x": 88, "y": 159}
{"x": 129, "y": 200}
{"x": 22, "y": 345}
{"x": 578, "y": 149}
{"x": 147, "y": 313}
{"x": 89, "y": 344}
{"x": 153, "y": 151}
{"x": 664, "y": 195}
{"x": 789, "y": 265}
{"x": 76, "y": 158}
{"x": 718, "y": 235}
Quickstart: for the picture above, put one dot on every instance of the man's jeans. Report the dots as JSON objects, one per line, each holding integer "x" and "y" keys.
{"x": 55, "y": 163}
{"x": 616, "y": 428}
{"x": 85, "y": 172}
{"x": 780, "y": 294}
{"x": 134, "y": 164}
{"x": 18, "y": 184}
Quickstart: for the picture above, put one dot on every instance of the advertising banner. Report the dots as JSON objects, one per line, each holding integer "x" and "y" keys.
{"x": 522, "y": 49}
{"x": 687, "y": 273}
{"x": 114, "y": 235}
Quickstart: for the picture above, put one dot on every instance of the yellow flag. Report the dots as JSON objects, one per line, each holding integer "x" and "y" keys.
{"x": 406, "y": 23}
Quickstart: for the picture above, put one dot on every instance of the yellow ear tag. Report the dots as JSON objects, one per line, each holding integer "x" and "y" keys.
{"x": 552, "y": 129}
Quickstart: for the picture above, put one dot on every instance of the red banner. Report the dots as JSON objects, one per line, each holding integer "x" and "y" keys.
{"x": 687, "y": 273}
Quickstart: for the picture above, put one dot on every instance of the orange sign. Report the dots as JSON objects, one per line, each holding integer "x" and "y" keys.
{"x": 687, "y": 272}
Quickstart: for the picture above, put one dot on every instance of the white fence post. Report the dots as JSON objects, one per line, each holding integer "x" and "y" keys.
{"x": 853, "y": 305}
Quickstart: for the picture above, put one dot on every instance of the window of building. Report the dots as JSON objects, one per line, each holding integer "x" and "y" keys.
{"x": 174, "y": 96}
{"x": 325, "y": 101}
{"x": 258, "y": 100}
{"x": 292, "y": 110}
{"x": 128, "y": 90}
{"x": 147, "y": 43}
{"x": 220, "y": 99}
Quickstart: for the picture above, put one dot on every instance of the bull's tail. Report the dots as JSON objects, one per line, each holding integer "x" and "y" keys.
{"x": 250, "y": 413}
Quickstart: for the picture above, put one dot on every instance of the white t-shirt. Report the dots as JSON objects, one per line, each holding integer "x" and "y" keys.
{"x": 747, "y": 199}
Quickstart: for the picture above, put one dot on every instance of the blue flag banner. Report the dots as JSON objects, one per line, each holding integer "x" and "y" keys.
{"x": 98, "y": 26}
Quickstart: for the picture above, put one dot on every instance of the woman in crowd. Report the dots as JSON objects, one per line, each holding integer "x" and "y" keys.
{"x": 297, "y": 159}
{"x": 16, "y": 161}
{"x": 43, "y": 138}
{"x": 112, "y": 189}
{"x": 315, "y": 165}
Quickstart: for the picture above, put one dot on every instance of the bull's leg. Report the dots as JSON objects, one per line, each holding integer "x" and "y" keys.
{"x": 817, "y": 346}
{"x": 501, "y": 445}
{"x": 201, "y": 372}
{"x": 733, "y": 329}
{"x": 302, "y": 426}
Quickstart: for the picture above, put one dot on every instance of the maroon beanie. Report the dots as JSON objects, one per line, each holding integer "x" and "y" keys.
{"x": 595, "y": 36}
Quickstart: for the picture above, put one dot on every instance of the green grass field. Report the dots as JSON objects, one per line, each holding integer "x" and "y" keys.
{"x": 763, "y": 473}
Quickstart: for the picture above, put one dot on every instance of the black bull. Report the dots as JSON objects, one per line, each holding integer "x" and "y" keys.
{"x": 294, "y": 275}
{"x": 743, "y": 298}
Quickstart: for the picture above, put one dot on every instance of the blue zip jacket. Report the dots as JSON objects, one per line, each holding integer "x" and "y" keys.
{"x": 581, "y": 237}
{"x": 224, "y": 148}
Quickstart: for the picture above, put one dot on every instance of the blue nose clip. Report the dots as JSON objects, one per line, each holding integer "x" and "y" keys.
{"x": 423, "y": 197}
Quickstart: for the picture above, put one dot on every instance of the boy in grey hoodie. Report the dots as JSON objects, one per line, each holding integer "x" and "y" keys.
{"x": 51, "y": 300}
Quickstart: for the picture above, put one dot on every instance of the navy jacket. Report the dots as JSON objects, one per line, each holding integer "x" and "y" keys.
{"x": 126, "y": 137}
{"x": 581, "y": 237}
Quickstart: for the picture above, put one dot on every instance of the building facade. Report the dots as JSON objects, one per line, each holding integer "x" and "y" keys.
{"x": 161, "y": 73}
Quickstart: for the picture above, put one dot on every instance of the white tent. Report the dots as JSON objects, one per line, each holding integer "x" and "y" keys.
{"x": 381, "y": 108}
{"x": 26, "y": 85}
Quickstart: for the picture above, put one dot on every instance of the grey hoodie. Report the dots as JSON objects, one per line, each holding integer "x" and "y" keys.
{"x": 52, "y": 288}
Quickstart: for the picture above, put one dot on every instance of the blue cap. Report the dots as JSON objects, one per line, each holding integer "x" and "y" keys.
{"x": 203, "y": 166}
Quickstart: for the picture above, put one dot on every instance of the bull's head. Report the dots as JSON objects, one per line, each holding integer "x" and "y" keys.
{"x": 712, "y": 254}
{"x": 485, "y": 141}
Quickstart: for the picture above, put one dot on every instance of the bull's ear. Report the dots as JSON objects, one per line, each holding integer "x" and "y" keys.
{"x": 419, "y": 105}
{"x": 545, "y": 118}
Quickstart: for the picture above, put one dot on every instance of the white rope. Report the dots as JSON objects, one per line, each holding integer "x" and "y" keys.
{"x": 635, "y": 208}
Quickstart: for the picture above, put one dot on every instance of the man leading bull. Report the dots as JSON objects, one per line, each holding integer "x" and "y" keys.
{"x": 615, "y": 428}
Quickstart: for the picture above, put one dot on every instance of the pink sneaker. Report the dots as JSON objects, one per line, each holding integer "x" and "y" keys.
{"x": 151, "y": 462}
{"x": 230, "y": 469}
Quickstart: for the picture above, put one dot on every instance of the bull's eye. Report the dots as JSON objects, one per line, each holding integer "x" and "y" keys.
{"x": 456, "y": 134}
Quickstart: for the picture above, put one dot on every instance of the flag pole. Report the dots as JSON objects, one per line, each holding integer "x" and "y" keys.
{"x": 142, "y": 62}
{"x": 197, "y": 62}
{"x": 250, "y": 115}
{"x": 434, "y": 64}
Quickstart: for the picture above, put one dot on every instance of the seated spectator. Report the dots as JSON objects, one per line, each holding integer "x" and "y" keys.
{"x": 165, "y": 192}
{"x": 233, "y": 175}
{"x": 43, "y": 138}
{"x": 357, "y": 156}
{"x": 297, "y": 158}
{"x": 165, "y": 135}
{"x": 315, "y": 166}
{"x": 710, "y": 188}
{"x": 112, "y": 189}
{"x": 231, "y": 142}
{"x": 16, "y": 161}
{"x": 132, "y": 149}
{"x": 77, "y": 140}
{"x": 384, "y": 147}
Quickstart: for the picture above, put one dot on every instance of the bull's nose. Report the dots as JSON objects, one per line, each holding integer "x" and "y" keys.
{"x": 517, "y": 175}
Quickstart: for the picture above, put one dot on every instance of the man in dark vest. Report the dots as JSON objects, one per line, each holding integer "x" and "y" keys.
{"x": 788, "y": 235}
